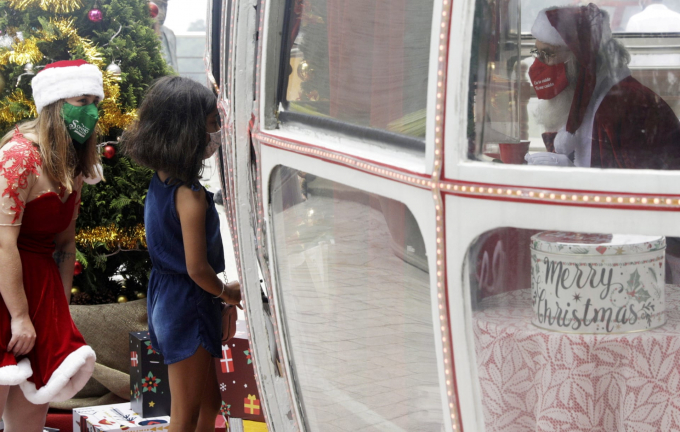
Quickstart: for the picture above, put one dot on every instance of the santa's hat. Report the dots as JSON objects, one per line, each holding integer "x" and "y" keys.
{"x": 66, "y": 79}
{"x": 582, "y": 29}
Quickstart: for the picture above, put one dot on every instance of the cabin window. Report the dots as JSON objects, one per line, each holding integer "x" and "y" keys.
{"x": 582, "y": 85}
{"x": 356, "y": 301}
{"x": 357, "y": 66}
{"x": 575, "y": 331}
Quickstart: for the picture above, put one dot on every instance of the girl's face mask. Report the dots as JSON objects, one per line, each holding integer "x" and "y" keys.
{"x": 548, "y": 81}
{"x": 80, "y": 120}
{"x": 213, "y": 144}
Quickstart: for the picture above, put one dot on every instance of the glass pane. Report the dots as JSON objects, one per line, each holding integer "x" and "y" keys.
{"x": 576, "y": 331}
{"x": 575, "y": 93}
{"x": 353, "y": 281}
{"x": 644, "y": 16}
{"x": 362, "y": 62}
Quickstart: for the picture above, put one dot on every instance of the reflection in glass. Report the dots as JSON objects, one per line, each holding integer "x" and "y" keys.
{"x": 353, "y": 282}
{"x": 363, "y": 62}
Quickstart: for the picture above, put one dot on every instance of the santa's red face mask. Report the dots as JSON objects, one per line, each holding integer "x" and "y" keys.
{"x": 548, "y": 81}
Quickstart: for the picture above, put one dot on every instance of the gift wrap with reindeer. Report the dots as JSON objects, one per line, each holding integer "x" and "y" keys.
{"x": 597, "y": 283}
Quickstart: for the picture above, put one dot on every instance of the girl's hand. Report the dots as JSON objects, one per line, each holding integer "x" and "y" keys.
{"x": 23, "y": 336}
{"x": 232, "y": 294}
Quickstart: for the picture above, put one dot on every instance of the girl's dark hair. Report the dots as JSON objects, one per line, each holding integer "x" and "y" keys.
{"x": 170, "y": 131}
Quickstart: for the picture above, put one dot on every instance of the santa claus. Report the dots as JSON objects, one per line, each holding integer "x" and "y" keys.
{"x": 593, "y": 111}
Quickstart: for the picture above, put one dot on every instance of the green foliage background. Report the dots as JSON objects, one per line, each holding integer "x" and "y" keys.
{"x": 119, "y": 200}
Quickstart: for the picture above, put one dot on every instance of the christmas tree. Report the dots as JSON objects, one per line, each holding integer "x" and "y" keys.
{"x": 117, "y": 36}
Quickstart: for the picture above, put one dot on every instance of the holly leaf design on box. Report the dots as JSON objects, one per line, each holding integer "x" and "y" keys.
{"x": 149, "y": 348}
{"x": 642, "y": 295}
{"x": 634, "y": 281}
{"x": 247, "y": 353}
{"x": 150, "y": 383}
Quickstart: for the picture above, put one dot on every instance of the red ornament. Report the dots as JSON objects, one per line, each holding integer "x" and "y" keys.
{"x": 77, "y": 268}
{"x": 153, "y": 9}
{"x": 109, "y": 151}
{"x": 95, "y": 15}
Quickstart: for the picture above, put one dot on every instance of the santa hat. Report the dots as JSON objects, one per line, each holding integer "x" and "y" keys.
{"x": 582, "y": 29}
{"x": 66, "y": 79}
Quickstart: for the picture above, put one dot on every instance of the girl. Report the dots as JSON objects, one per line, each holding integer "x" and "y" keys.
{"x": 43, "y": 357}
{"x": 176, "y": 131}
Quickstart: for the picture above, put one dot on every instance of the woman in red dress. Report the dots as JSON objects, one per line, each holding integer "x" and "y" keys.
{"x": 43, "y": 356}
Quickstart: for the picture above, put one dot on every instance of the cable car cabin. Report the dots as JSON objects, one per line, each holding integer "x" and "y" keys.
{"x": 455, "y": 215}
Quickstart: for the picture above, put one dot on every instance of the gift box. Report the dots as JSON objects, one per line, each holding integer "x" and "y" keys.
{"x": 149, "y": 387}
{"x": 118, "y": 417}
{"x": 236, "y": 378}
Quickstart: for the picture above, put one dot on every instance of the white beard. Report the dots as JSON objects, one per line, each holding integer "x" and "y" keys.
{"x": 553, "y": 113}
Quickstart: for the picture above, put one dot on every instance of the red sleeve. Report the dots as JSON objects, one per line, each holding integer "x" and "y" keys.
{"x": 635, "y": 128}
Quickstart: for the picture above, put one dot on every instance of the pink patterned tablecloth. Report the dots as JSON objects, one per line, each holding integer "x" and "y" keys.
{"x": 536, "y": 380}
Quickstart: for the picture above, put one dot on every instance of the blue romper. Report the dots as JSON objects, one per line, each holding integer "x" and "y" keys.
{"x": 182, "y": 315}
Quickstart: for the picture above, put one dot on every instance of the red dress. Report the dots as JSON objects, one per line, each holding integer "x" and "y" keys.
{"x": 60, "y": 363}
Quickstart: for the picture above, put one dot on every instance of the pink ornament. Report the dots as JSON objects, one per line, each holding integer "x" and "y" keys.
{"x": 95, "y": 15}
{"x": 153, "y": 9}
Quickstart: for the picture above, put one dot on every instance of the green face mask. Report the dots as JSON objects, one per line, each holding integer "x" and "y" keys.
{"x": 80, "y": 120}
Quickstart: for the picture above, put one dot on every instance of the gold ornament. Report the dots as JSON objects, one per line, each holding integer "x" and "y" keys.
{"x": 141, "y": 295}
{"x": 57, "y": 6}
{"x": 122, "y": 299}
{"x": 112, "y": 237}
{"x": 75, "y": 290}
{"x": 305, "y": 71}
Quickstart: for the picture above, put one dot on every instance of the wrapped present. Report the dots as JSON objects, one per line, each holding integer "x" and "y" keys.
{"x": 118, "y": 417}
{"x": 236, "y": 378}
{"x": 149, "y": 387}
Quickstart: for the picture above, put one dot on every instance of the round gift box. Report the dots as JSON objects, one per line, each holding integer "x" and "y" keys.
{"x": 597, "y": 283}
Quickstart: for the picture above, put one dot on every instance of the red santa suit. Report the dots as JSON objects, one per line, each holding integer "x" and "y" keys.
{"x": 60, "y": 363}
{"x": 614, "y": 121}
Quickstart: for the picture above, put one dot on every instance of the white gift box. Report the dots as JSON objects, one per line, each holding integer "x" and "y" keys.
{"x": 118, "y": 417}
{"x": 597, "y": 283}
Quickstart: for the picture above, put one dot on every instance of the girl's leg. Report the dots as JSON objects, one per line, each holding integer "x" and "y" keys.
{"x": 187, "y": 380}
{"x": 4, "y": 391}
{"x": 21, "y": 415}
{"x": 211, "y": 402}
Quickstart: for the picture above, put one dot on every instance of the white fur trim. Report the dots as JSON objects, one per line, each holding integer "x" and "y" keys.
{"x": 15, "y": 374}
{"x": 53, "y": 84}
{"x": 71, "y": 376}
{"x": 543, "y": 31}
{"x": 565, "y": 142}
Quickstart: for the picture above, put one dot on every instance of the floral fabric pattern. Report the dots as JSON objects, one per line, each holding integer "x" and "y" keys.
{"x": 537, "y": 380}
{"x": 19, "y": 159}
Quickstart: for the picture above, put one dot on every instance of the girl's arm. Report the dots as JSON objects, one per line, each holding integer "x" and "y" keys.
{"x": 191, "y": 208}
{"x": 13, "y": 294}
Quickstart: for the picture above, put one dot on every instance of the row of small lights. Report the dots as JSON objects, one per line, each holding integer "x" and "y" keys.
{"x": 556, "y": 196}
{"x": 368, "y": 167}
{"x": 436, "y": 186}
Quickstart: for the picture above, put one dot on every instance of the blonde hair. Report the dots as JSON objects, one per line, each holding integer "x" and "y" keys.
{"x": 61, "y": 162}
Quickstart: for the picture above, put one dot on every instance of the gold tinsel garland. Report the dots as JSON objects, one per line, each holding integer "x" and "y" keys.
{"x": 113, "y": 237}
{"x": 27, "y": 51}
{"x": 57, "y": 6}
{"x": 7, "y": 115}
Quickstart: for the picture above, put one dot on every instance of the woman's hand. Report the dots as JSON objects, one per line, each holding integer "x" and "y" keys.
{"x": 23, "y": 336}
{"x": 232, "y": 294}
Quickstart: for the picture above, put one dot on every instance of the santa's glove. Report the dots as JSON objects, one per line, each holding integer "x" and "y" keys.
{"x": 550, "y": 159}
